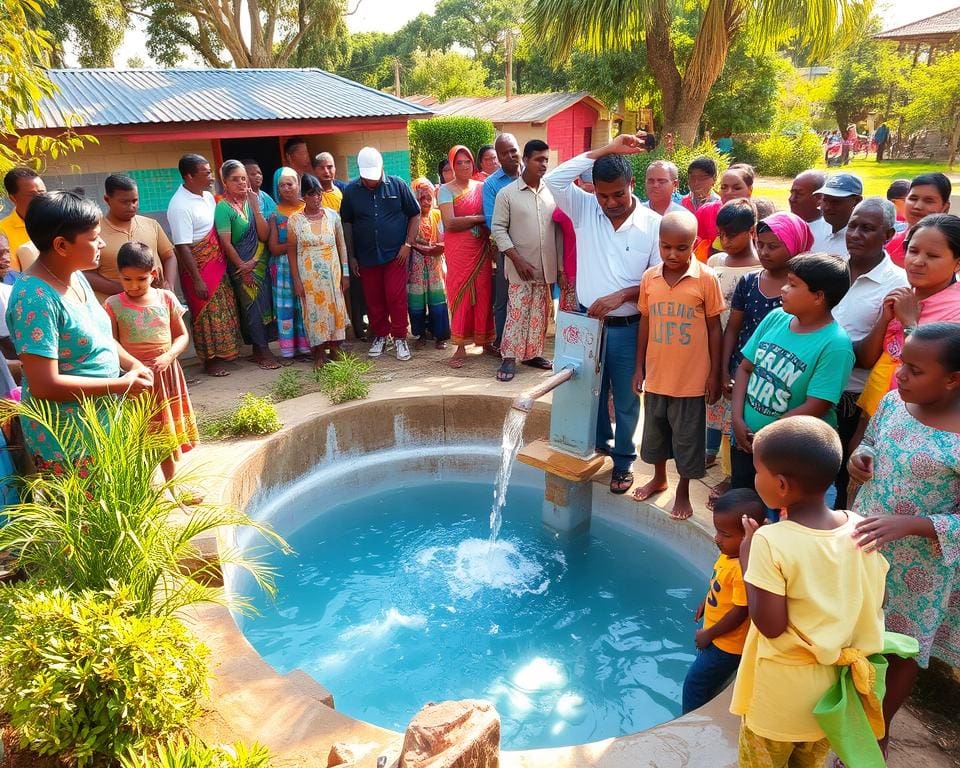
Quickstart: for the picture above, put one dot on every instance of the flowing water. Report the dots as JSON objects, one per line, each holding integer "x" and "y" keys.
{"x": 510, "y": 444}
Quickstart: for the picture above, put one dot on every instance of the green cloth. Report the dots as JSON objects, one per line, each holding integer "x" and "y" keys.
{"x": 841, "y": 711}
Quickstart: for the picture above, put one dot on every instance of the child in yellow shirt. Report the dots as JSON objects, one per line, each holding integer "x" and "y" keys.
{"x": 724, "y": 610}
{"x": 812, "y": 592}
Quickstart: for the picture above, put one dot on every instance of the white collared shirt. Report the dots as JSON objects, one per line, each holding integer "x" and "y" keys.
{"x": 608, "y": 260}
{"x": 190, "y": 216}
{"x": 672, "y": 208}
{"x": 825, "y": 240}
{"x": 858, "y": 311}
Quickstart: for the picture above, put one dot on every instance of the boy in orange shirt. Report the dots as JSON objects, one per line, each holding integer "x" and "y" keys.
{"x": 726, "y": 618}
{"x": 679, "y": 342}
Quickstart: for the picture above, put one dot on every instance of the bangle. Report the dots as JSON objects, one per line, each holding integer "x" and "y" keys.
{"x": 907, "y": 330}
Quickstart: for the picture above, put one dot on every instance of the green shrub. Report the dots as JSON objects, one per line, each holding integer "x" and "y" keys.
{"x": 179, "y": 753}
{"x": 431, "y": 140}
{"x": 779, "y": 154}
{"x": 682, "y": 156}
{"x": 287, "y": 386}
{"x": 83, "y": 677}
{"x": 345, "y": 379}
{"x": 253, "y": 416}
{"x": 105, "y": 522}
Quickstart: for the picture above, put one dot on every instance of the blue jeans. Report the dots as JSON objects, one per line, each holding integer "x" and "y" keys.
{"x": 714, "y": 436}
{"x": 619, "y": 364}
{"x": 709, "y": 674}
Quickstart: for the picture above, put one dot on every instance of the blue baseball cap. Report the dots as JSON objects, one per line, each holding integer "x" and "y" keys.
{"x": 841, "y": 185}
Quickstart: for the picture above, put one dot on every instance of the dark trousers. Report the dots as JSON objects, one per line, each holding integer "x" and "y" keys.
{"x": 358, "y": 307}
{"x": 709, "y": 674}
{"x": 742, "y": 472}
{"x": 385, "y": 289}
{"x": 848, "y": 418}
{"x": 881, "y": 148}
{"x": 500, "y": 289}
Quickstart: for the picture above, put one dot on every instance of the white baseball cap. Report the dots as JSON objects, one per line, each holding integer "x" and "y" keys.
{"x": 370, "y": 163}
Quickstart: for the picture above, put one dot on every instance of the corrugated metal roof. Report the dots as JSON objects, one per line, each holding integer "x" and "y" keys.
{"x": 946, "y": 23}
{"x": 525, "y": 108}
{"x": 100, "y": 97}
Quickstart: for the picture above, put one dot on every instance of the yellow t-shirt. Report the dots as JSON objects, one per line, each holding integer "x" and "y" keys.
{"x": 331, "y": 198}
{"x": 726, "y": 590}
{"x": 16, "y": 231}
{"x": 834, "y": 594}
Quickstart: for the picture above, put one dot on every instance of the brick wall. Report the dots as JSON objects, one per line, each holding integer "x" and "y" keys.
{"x": 393, "y": 145}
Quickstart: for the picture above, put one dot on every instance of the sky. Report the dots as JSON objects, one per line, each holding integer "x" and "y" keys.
{"x": 390, "y": 15}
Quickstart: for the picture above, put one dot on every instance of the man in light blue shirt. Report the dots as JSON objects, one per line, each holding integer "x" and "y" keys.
{"x": 508, "y": 153}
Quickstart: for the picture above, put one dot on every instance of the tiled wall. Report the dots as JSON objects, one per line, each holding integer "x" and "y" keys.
{"x": 394, "y": 164}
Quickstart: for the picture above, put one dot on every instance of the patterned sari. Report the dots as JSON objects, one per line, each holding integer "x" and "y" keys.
{"x": 469, "y": 270}
{"x": 216, "y": 331}
{"x": 286, "y": 304}
{"x": 426, "y": 294}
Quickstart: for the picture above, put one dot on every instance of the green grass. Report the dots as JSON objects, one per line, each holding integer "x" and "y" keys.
{"x": 876, "y": 177}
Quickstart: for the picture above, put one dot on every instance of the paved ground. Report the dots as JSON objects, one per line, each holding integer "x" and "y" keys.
{"x": 926, "y": 735}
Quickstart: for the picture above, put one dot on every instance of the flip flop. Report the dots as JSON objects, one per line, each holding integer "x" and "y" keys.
{"x": 440, "y": 344}
{"x": 506, "y": 371}
{"x": 620, "y": 481}
{"x": 285, "y": 362}
{"x": 456, "y": 362}
{"x": 268, "y": 365}
{"x": 218, "y": 373}
{"x": 539, "y": 362}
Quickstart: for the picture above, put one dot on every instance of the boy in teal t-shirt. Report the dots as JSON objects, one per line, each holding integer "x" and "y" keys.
{"x": 797, "y": 361}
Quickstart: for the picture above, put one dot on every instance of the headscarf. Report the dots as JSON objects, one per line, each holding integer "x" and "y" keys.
{"x": 790, "y": 230}
{"x": 452, "y": 157}
{"x": 422, "y": 181}
{"x": 279, "y": 174}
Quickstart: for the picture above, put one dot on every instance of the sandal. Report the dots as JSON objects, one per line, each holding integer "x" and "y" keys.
{"x": 216, "y": 371}
{"x": 268, "y": 365}
{"x": 456, "y": 362}
{"x": 620, "y": 481}
{"x": 539, "y": 362}
{"x": 506, "y": 371}
{"x": 440, "y": 344}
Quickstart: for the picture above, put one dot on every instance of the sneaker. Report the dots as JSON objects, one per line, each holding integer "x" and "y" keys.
{"x": 403, "y": 351}
{"x": 376, "y": 349}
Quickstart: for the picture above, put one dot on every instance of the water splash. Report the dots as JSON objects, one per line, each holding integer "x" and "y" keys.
{"x": 509, "y": 448}
{"x": 477, "y": 564}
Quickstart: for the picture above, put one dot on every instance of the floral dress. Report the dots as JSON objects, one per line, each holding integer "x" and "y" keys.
{"x": 917, "y": 472}
{"x": 77, "y": 336}
{"x": 321, "y": 254}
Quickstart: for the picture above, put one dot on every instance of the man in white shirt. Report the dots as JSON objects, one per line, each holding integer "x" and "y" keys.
{"x": 203, "y": 267}
{"x": 805, "y": 201}
{"x": 839, "y": 195}
{"x": 617, "y": 241}
{"x": 662, "y": 180}
{"x": 872, "y": 276}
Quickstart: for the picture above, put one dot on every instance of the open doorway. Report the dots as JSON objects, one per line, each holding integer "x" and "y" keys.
{"x": 264, "y": 149}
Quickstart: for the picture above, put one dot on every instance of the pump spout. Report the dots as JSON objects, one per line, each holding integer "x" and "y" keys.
{"x": 524, "y": 402}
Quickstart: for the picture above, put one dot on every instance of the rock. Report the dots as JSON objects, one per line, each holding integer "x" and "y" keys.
{"x": 341, "y": 754}
{"x": 453, "y": 734}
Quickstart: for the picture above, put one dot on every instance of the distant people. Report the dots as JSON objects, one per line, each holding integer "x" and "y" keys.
{"x": 487, "y": 162}
{"x": 381, "y": 217}
{"x": 839, "y": 195}
{"x": 929, "y": 194}
{"x": 873, "y": 276}
{"x": 59, "y": 330}
{"x": 243, "y": 232}
{"x": 701, "y": 178}
{"x": 122, "y": 224}
{"x": 22, "y": 185}
{"x": 148, "y": 323}
{"x": 724, "y": 612}
{"x": 291, "y": 333}
{"x": 319, "y": 270}
{"x": 881, "y": 136}
{"x": 797, "y": 362}
{"x": 849, "y": 144}
{"x": 469, "y": 273}
{"x": 617, "y": 241}
{"x": 523, "y": 231}
{"x": 806, "y": 614}
{"x": 897, "y": 194}
{"x": 678, "y": 367}
{"x": 508, "y": 155}
{"x": 736, "y": 183}
{"x": 203, "y": 267}
{"x": 325, "y": 169}
{"x": 296, "y": 155}
{"x": 568, "y": 236}
{"x": 426, "y": 289}
{"x": 661, "y": 181}
{"x": 805, "y": 201}
{"x": 445, "y": 172}
{"x": 268, "y": 205}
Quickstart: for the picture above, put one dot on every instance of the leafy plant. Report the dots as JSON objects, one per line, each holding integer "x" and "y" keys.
{"x": 682, "y": 156}
{"x": 431, "y": 140}
{"x": 287, "y": 386}
{"x": 84, "y": 677}
{"x": 344, "y": 379}
{"x": 103, "y": 521}
{"x": 180, "y": 753}
{"x": 779, "y": 154}
{"x": 253, "y": 416}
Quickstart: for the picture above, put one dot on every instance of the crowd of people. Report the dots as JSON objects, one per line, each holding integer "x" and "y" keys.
{"x": 814, "y": 353}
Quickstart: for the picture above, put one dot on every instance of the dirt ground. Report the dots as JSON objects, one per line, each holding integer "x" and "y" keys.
{"x": 926, "y": 733}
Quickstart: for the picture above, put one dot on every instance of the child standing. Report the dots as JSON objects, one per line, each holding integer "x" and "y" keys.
{"x": 812, "y": 593}
{"x": 798, "y": 360}
{"x": 678, "y": 359}
{"x": 909, "y": 462}
{"x": 724, "y": 610}
{"x": 737, "y": 222}
{"x": 148, "y": 323}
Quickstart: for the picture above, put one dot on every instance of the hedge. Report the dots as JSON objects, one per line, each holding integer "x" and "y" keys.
{"x": 778, "y": 154}
{"x": 682, "y": 156}
{"x": 431, "y": 139}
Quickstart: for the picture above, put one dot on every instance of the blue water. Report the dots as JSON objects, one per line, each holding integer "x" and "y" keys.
{"x": 398, "y": 599}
